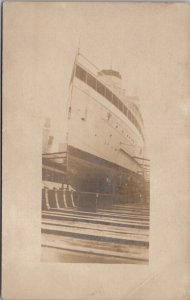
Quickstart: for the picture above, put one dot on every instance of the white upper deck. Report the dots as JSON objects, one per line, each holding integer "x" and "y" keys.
{"x": 108, "y": 83}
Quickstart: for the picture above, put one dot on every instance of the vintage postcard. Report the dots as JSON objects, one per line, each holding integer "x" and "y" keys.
{"x": 96, "y": 150}
{"x": 95, "y": 170}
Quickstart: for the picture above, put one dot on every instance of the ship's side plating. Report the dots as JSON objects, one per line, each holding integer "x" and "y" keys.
{"x": 105, "y": 135}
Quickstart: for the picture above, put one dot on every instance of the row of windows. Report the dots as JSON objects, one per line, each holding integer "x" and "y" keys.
{"x": 104, "y": 91}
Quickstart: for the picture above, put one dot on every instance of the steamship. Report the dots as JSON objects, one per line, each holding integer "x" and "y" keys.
{"x": 104, "y": 148}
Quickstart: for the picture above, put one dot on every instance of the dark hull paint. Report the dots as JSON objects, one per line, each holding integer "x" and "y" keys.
{"x": 89, "y": 173}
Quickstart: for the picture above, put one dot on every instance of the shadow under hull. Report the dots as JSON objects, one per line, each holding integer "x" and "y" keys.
{"x": 89, "y": 173}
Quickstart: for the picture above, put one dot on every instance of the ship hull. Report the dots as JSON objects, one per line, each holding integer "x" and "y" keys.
{"x": 92, "y": 174}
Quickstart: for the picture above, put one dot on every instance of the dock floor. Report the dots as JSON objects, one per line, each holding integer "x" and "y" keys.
{"x": 119, "y": 235}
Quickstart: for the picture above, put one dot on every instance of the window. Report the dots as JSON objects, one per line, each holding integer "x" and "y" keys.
{"x": 132, "y": 118}
{"x": 125, "y": 110}
{"x": 134, "y": 121}
{"x": 109, "y": 95}
{"x": 80, "y": 73}
{"x": 115, "y": 100}
{"x": 120, "y": 106}
{"x": 129, "y": 115}
{"x": 91, "y": 81}
{"x": 100, "y": 88}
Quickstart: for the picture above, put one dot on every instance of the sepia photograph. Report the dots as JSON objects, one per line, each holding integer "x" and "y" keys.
{"x": 95, "y": 190}
{"x": 95, "y": 163}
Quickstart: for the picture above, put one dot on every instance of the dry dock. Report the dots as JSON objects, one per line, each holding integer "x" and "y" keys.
{"x": 117, "y": 235}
